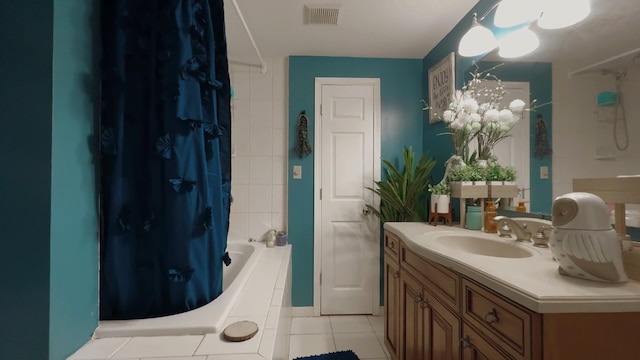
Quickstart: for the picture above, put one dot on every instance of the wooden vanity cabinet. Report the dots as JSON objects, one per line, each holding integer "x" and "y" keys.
{"x": 434, "y": 313}
{"x": 429, "y": 330}
{"x": 391, "y": 295}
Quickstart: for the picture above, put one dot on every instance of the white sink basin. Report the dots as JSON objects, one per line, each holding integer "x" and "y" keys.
{"x": 481, "y": 245}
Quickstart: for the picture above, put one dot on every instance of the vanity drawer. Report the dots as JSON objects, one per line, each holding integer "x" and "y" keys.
{"x": 442, "y": 282}
{"x": 508, "y": 325}
{"x": 391, "y": 245}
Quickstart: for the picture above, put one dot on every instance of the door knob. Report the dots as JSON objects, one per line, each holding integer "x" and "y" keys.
{"x": 366, "y": 211}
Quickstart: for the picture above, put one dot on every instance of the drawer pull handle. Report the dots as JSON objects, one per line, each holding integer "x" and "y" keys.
{"x": 465, "y": 343}
{"x": 396, "y": 274}
{"x": 418, "y": 298}
{"x": 491, "y": 317}
{"x": 424, "y": 305}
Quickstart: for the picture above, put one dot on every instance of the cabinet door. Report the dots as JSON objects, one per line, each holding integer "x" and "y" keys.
{"x": 441, "y": 331}
{"x": 411, "y": 321}
{"x": 391, "y": 306}
{"x": 475, "y": 347}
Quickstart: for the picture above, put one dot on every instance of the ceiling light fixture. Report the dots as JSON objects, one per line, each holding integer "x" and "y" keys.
{"x": 478, "y": 40}
{"x": 518, "y": 43}
{"x": 558, "y": 14}
{"x": 551, "y": 14}
{"x": 510, "y": 13}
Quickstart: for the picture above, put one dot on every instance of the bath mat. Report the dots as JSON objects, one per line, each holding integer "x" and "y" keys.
{"x": 340, "y": 355}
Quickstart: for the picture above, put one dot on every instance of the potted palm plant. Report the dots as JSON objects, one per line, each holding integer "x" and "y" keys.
{"x": 402, "y": 193}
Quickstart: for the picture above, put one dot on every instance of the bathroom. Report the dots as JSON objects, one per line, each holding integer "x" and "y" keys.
{"x": 49, "y": 234}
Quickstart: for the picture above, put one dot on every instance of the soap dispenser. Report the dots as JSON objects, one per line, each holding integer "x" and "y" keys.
{"x": 490, "y": 213}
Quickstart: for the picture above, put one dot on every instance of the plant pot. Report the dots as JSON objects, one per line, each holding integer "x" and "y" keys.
{"x": 443, "y": 203}
{"x": 483, "y": 182}
{"x": 495, "y": 183}
{"x": 509, "y": 182}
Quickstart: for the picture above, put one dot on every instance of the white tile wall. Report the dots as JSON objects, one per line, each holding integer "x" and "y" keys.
{"x": 259, "y": 168}
{"x": 577, "y": 134}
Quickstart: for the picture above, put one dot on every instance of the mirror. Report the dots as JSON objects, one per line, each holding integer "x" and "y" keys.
{"x": 587, "y": 140}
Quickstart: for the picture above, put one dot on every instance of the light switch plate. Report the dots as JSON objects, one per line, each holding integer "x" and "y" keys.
{"x": 297, "y": 172}
{"x": 544, "y": 172}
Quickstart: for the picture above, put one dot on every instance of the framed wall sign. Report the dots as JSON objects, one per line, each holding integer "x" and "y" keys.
{"x": 442, "y": 86}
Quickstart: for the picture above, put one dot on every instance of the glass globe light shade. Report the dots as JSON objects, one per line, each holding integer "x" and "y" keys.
{"x": 557, "y": 14}
{"x": 516, "y": 12}
{"x": 477, "y": 41}
{"x": 518, "y": 43}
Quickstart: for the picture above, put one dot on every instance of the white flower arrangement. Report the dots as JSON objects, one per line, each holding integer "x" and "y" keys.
{"x": 475, "y": 113}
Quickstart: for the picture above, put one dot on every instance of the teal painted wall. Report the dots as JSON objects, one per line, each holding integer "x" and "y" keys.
{"x": 538, "y": 74}
{"x": 436, "y": 144}
{"x": 400, "y": 91}
{"x": 25, "y": 188}
{"x": 48, "y": 305}
{"x": 74, "y": 224}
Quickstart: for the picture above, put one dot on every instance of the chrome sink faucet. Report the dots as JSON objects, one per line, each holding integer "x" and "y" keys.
{"x": 506, "y": 226}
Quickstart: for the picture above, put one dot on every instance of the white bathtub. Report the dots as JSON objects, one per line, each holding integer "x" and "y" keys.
{"x": 203, "y": 320}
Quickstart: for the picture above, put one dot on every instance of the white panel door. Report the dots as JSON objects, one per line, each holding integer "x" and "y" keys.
{"x": 347, "y": 235}
{"x": 514, "y": 150}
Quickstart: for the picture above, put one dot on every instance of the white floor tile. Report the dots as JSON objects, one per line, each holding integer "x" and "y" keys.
{"x": 307, "y": 345}
{"x": 350, "y": 324}
{"x": 159, "y": 346}
{"x": 99, "y": 348}
{"x": 380, "y": 337}
{"x": 177, "y": 358}
{"x": 365, "y": 345}
{"x": 310, "y": 336}
{"x": 310, "y": 325}
{"x": 377, "y": 323}
{"x": 235, "y": 357}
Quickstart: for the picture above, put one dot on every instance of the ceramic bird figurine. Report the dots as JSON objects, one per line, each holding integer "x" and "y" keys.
{"x": 582, "y": 240}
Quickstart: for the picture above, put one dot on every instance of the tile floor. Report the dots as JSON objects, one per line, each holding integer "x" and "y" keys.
{"x": 309, "y": 336}
{"x": 315, "y": 335}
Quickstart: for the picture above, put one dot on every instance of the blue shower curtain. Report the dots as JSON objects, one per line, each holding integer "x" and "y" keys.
{"x": 166, "y": 159}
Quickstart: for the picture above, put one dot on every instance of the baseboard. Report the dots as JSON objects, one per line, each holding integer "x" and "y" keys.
{"x": 307, "y": 311}
{"x": 302, "y": 311}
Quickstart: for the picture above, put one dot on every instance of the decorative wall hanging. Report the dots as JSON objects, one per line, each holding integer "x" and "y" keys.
{"x": 441, "y": 87}
{"x": 303, "y": 147}
{"x": 542, "y": 148}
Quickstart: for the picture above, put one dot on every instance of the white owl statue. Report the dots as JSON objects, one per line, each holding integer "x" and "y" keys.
{"x": 582, "y": 240}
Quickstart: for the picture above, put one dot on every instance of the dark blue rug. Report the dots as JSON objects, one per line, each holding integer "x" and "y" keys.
{"x": 340, "y": 355}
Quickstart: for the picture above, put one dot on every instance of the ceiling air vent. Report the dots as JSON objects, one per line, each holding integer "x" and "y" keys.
{"x": 323, "y": 15}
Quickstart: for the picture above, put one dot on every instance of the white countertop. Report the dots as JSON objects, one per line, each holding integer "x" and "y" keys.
{"x": 533, "y": 282}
